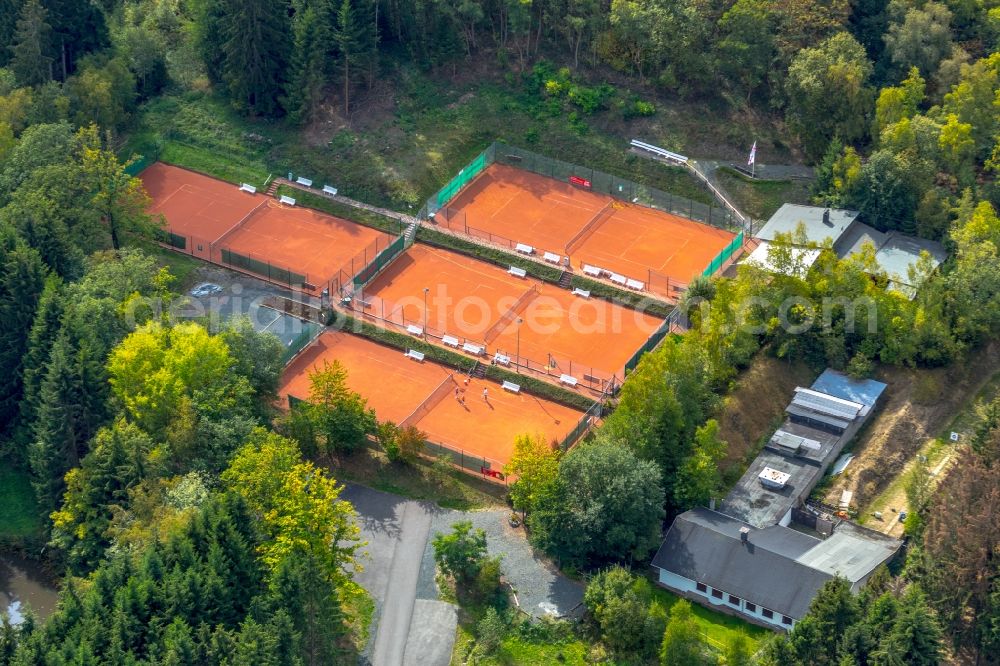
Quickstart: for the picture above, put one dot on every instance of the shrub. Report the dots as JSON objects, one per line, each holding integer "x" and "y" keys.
{"x": 490, "y": 630}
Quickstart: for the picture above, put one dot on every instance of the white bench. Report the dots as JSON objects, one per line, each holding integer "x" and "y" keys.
{"x": 247, "y": 187}
{"x": 415, "y": 355}
{"x": 450, "y": 341}
{"x": 581, "y": 292}
{"x": 288, "y": 201}
{"x": 512, "y": 387}
{"x": 501, "y": 359}
{"x": 517, "y": 272}
{"x": 304, "y": 181}
{"x": 656, "y": 150}
{"x": 414, "y": 330}
{"x": 592, "y": 271}
{"x": 619, "y": 279}
{"x": 635, "y": 284}
{"x": 552, "y": 258}
{"x": 475, "y": 350}
{"x": 524, "y": 249}
{"x": 568, "y": 380}
{"x": 330, "y": 189}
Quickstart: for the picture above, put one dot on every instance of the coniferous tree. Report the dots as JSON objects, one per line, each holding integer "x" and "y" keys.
{"x": 302, "y": 590}
{"x": 915, "y": 639}
{"x": 255, "y": 49}
{"x": 309, "y": 69}
{"x": 56, "y": 447}
{"x": 356, "y": 41}
{"x": 43, "y": 226}
{"x": 9, "y": 10}
{"x": 44, "y": 329}
{"x": 22, "y": 279}
{"x": 78, "y": 28}
{"x": 30, "y": 58}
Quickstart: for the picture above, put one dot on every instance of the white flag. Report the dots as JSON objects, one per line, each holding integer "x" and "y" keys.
{"x": 753, "y": 154}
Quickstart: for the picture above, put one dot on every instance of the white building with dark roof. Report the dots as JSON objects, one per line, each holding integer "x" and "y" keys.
{"x": 749, "y": 557}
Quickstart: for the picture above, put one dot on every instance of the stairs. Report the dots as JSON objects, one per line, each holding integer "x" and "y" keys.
{"x": 566, "y": 280}
{"x": 273, "y": 188}
{"x": 411, "y": 233}
{"x": 478, "y": 370}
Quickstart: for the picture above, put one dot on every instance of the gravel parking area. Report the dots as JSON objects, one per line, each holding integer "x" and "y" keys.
{"x": 412, "y": 626}
{"x": 540, "y": 588}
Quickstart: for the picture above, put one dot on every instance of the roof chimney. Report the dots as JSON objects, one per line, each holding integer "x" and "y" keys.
{"x": 745, "y": 534}
{"x": 826, "y": 217}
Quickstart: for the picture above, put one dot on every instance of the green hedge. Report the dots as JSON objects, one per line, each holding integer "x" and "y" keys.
{"x": 488, "y": 254}
{"x": 628, "y": 299}
{"x": 403, "y": 342}
{"x": 360, "y": 215}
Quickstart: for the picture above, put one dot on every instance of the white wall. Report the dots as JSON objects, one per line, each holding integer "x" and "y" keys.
{"x": 689, "y": 588}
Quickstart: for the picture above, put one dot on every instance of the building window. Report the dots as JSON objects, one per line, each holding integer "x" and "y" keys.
{"x": 701, "y": 587}
{"x": 734, "y": 600}
{"x": 751, "y": 608}
{"x": 766, "y": 613}
{"x": 786, "y": 620}
{"x": 716, "y": 593}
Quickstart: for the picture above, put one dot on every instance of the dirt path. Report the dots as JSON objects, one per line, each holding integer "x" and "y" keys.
{"x": 920, "y": 406}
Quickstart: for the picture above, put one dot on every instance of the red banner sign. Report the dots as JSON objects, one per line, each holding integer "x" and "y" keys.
{"x": 582, "y": 182}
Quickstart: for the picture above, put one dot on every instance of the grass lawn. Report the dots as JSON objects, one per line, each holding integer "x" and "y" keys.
{"x": 518, "y": 650}
{"x": 397, "y": 154}
{"x": 715, "y": 627}
{"x": 450, "y": 489}
{"x": 760, "y": 199}
{"x": 182, "y": 266}
{"x": 18, "y": 510}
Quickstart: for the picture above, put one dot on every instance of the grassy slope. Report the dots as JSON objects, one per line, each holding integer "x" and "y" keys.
{"x": 451, "y": 490}
{"x": 18, "y": 510}
{"x": 760, "y": 199}
{"x": 395, "y": 154}
{"x": 935, "y": 450}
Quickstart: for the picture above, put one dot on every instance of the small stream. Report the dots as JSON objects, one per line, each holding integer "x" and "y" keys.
{"x": 24, "y": 584}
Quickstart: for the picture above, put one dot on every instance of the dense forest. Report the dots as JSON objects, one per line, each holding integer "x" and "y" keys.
{"x": 195, "y": 524}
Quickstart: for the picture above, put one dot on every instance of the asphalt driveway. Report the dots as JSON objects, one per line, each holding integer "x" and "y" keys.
{"x": 412, "y": 625}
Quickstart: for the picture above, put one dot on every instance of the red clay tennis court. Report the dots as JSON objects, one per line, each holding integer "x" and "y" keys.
{"x": 309, "y": 242}
{"x": 481, "y": 303}
{"x": 215, "y": 215}
{"x": 423, "y": 394}
{"x": 550, "y": 215}
{"x": 196, "y": 205}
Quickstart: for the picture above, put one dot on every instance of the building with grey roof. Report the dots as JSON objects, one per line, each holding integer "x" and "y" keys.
{"x": 895, "y": 252}
{"x": 747, "y": 557}
{"x": 769, "y": 575}
{"x": 818, "y": 224}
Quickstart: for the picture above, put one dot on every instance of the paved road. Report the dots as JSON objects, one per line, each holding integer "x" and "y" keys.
{"x": 397, "y": 531}
{"x": 412, "y": 626}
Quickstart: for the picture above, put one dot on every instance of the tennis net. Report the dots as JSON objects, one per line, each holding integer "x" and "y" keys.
{"x": 517, "y": 308}
{"x": 239, "y": 225}
{"x": 577, "y": 241}
{"x": 432, "y": 401}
